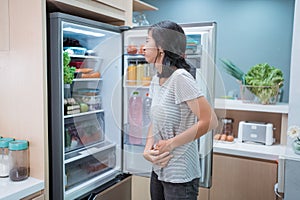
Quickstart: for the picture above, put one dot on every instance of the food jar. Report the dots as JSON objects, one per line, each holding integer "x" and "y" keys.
{"x": 4, "y": 167}
{"x": 18, "y": 156}
{"x": 227, "y": 126}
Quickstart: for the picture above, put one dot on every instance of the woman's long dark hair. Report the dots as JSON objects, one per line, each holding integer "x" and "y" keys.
{"x": 171, "y": 38}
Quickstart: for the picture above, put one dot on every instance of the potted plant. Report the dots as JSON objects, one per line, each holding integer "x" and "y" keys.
{"x": 68, "y": 74}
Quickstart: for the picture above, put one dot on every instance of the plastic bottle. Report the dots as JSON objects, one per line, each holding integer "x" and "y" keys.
{"x": 147, "y": 75}
{"x": 135, "y": 118}
{"x": 146, "y": 110}
{"x": 146, "y": 116}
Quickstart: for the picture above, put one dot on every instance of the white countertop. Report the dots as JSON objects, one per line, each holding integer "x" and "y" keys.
{"x": 19, "y": 189}
{"x": 290, "y": 154}
{"x": 259, "y": 151}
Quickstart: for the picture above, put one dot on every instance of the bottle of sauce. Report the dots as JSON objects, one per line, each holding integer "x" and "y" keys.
{"x": 147, "y": 74}
{"x": 131, "y": 73}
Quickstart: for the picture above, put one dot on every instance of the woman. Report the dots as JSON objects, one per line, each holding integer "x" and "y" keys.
{"x": 176, "y": 103}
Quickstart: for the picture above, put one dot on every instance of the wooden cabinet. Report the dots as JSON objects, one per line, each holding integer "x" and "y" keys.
{"x": 121, "y": 190}
{"x": 140, "y": 188}
{"x": 4, "y": 25}
{"x": 114, "y": 12}
{"x": 35, "y": 196}
{"x": 236, "y": 178}
{"x": 109, "y": 11}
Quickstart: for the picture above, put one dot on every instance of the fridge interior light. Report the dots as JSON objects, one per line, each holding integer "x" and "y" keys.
{"x": 80, "y": 31}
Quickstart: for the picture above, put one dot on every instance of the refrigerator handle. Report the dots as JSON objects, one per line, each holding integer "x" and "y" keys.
{"x": 205, "y": 146}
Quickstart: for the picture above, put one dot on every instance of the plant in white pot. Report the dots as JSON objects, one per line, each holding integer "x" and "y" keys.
{"x": 68, "y": 74}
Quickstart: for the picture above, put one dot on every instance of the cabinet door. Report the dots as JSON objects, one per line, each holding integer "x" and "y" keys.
{"x": 4, "y": 25}
{"x": 121, "y": 190}
{"x": 236, "y": 178}
{"x": 140, "y": 188}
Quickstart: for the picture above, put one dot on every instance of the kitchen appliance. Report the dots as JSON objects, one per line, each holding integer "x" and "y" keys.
{"x": 94, "y": 147}
{"x": 257, "y": 132}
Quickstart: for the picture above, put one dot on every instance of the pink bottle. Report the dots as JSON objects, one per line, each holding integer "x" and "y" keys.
{"x": 135, "y": 118}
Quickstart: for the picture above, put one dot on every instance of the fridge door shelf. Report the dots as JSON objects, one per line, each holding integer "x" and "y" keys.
{"x": 84, "y": 113}
{"x": 85, "y": 57}
{"x": 84, "y": 152}
{"x": 87, "y": 79}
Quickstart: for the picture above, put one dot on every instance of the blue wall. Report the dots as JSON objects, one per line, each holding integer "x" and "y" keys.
{"x": 248, "y": 31}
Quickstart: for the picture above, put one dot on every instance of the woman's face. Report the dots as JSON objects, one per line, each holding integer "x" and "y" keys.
{"x": 152, "y": 53}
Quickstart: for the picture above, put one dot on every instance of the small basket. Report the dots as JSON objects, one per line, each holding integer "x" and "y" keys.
{"x": 259, "y": 94}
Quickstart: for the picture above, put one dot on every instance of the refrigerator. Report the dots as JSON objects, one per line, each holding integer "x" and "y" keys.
{"x": 95, "y": 138}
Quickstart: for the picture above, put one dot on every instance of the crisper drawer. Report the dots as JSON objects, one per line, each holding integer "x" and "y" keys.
{"x": 89, "y": 163}
{"x": 83, "y": 131}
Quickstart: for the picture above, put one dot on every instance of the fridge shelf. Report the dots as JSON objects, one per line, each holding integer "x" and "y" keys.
{"x": 85, "y": 57}
{"x": 84, "y": 152}
{"x": 86, "y": 79}
{"x": 83, "y": 113}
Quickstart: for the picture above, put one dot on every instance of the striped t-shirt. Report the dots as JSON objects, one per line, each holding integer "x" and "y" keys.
{"x": 171, "y": 116}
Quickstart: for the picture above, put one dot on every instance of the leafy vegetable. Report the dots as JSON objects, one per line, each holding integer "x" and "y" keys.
{"x": 233, "y": 70}
{"x": 268, "y": 79}
{"x": 262, "y": 80}
{"x": 68, "y": 71}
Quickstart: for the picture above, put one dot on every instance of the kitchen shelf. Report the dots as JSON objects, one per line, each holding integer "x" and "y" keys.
{"x": 92, "y": 150}
{"x": 83, "y": 113}
{"x": 142, "y": 6}
{"x": 239, "y": 105}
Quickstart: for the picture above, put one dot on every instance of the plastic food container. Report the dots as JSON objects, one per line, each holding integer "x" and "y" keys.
{"x": 75, "y": 50}
{"x": 93, "y": 102}
{"x": 4, "y": 166}
{"x": 18, "y": 160}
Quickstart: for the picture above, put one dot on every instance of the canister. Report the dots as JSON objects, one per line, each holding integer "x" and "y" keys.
{"x": 18, "y": 156}
{"x": 4, "y": 166}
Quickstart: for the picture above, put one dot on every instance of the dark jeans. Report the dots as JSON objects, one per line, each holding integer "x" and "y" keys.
{"x": 161, "y": 190}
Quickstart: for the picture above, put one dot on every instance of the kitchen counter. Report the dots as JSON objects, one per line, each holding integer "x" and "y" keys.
{"x": 290, "y": 154}
{"x": 20, "y": 189}
{"x": 250, "y": 150}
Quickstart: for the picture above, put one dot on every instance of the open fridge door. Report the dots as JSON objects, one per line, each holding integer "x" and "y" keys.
{"x": 84, "y": 118}
{"x": 136, "y": 81}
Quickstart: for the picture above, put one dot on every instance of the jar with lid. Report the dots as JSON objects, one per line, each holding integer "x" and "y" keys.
{"x": 4, "y": 166}
{"x": 18, "y": 156}
{"x": 227, "y": 126}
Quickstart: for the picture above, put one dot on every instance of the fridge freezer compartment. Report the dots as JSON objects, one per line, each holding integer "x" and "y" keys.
{"x": 92, "y": 165}
{"x": 83, "y": 131}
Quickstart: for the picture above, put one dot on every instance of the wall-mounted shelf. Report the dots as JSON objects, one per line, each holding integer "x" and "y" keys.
{"x": 239, "y": 105}
{"x": 142, "y": 6}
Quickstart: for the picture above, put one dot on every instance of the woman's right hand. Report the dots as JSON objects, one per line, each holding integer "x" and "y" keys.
{"x": 154, "y": 157}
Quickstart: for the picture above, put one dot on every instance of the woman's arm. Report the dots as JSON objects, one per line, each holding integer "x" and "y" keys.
{"x": 207, "y": 121}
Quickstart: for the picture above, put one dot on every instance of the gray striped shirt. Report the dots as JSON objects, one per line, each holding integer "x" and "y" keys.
{"x": 171, "y": 116}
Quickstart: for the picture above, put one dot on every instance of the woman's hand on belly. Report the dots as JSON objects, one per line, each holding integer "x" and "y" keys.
{"x": 157, "y": 158}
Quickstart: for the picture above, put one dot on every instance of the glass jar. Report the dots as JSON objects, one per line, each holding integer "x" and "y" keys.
{"x": 18, "y": 160}
{"x": 227, "y": 126}
{"x": 4, "y": 167}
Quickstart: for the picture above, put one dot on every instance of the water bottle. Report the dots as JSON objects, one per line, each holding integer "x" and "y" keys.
{"x": 135, "y": 118}
{"x": 146, "y": 110}
{"x": 146, "y": 116}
